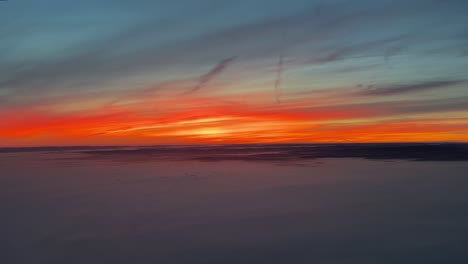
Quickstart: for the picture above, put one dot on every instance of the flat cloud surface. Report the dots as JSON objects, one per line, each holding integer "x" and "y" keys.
{"x": 103, "y": 206}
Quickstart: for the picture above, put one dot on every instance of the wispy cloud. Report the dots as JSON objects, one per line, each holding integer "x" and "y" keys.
{"x": 409, "y": 88}
{"x": 112, "y": 56}
{"x": 279, "y": 77}
{"x": 215, "y": 71}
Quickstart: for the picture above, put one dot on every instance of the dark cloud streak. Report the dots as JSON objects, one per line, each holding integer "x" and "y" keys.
{"x": 213, "y": 73}
{"x": 409, "y": 88}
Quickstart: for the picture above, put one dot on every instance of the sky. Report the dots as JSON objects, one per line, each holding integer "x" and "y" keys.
{"x": 137, "y": 72}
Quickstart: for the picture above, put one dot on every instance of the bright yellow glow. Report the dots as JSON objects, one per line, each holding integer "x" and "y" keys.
{"x": 205, "y": 132}
{"x": 206, "y": 120}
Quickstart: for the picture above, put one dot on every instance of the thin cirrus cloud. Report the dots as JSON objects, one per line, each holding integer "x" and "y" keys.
{"x": 217, "y": 70}
{"x": 410, "y": 88}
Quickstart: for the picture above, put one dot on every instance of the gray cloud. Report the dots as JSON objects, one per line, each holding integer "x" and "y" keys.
{"x": 409, "y": 88}
{"x": 218, "y": 69}
{"x": 386, "y": 109}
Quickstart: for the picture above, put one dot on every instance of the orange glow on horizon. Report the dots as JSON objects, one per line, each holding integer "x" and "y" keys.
{"x": 210, "y": 121}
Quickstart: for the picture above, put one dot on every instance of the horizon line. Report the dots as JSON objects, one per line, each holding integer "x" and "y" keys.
{"x": 237, "y": 144}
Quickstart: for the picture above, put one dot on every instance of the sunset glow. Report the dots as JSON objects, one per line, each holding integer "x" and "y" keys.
{"x": 153, "y": 121}
{"x": 189, "y": 84}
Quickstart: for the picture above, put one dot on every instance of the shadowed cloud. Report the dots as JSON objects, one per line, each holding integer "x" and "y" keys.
{"x": 410, "y": 88}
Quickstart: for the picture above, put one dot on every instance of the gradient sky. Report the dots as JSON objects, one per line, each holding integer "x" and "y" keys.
{"x": 247, "y": 71}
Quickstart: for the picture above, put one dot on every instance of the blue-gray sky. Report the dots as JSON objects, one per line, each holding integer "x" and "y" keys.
{"x": 391, "y": 60}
